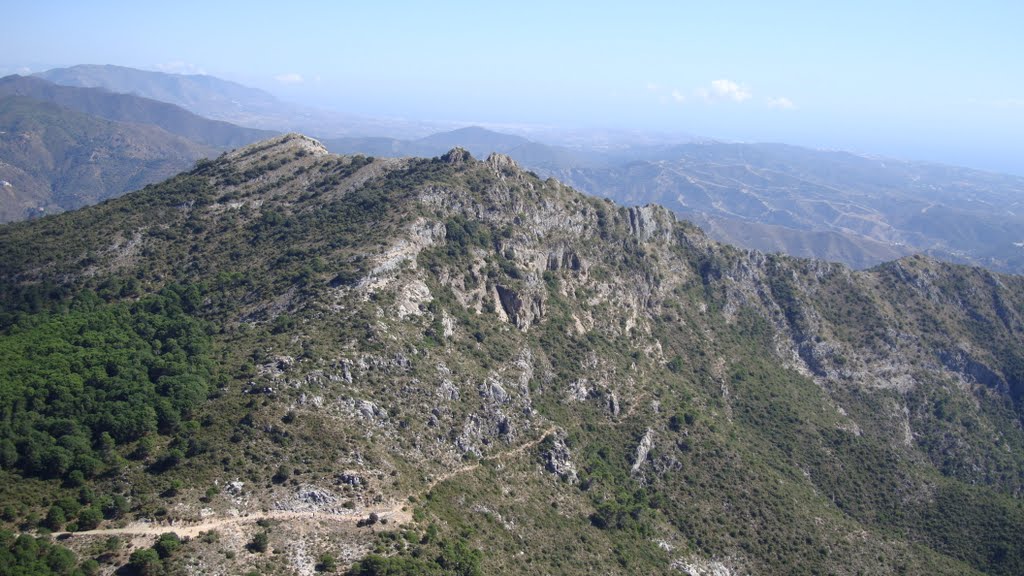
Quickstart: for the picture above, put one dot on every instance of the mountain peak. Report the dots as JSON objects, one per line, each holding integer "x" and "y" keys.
{"x": 457, "y": 155}
{"x": 292, "y": 142}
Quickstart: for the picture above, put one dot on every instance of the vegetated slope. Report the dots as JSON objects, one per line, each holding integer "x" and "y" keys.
{"x": 54, "y": 159}
{"x": 543, "y": 380}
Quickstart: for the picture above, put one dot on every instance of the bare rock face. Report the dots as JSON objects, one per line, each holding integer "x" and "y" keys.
{"x": 492, "y": 390}
{"x": 564, "y": 259}
{"x": 309, "y": 498}
{"x": 411, "y": 298}
{"x": 642, "y": 450}
{"x": 651, "y": 221}
{"x": 522, "y": 309}
{"x": 501, "y": 162}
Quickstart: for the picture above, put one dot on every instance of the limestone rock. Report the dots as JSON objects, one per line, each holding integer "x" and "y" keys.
{"x": 642, "y": 449}
{"x": 523, "y": 310}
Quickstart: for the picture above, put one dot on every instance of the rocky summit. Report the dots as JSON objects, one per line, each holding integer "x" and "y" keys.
{"x": 296, "y": 361}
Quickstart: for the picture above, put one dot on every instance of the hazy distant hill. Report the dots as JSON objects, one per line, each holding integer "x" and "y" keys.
{"x": 221, "y": 99}
{"x": 205, "y": 95}
{"x": 130, "y": 108}
{"x": 852, "y": 250}
{"x": 54, "y": 159}
{"x": 65, "y": 147}
{"x": 479, "y": 142}
{"x": 954, "y": 213}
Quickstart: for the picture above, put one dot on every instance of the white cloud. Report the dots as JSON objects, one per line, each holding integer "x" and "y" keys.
{"x": 781, "y": 103}
{"x": 721, "y": 90}
{"x": 289, "y": 78}
{"x": 725, "y": 90}
{"x": 180, "y": 67}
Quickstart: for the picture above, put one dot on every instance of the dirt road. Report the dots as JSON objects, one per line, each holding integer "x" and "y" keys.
{"x": 395, "y": 512}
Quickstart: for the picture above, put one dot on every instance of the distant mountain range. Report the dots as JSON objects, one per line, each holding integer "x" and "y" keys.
{"x": 771, "y": 197}
{"x": 63, "y": 147}
{"x": 219, "y": 99}
{"x": 206, "y": 95}
{"x": 135, "y": 109}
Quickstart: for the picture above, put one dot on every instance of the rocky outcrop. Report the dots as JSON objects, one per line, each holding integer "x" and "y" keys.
{"x": 558, "y": 460}
{"x": 961, "y": 362}
{"x": 642, "y": 450}
{"x": 457, "y": 156}
{"x": 522, "y": 309}
{"x": 651, "y": 221}
{"x": 502, "y": 163}
{"x": 564, "y": 259}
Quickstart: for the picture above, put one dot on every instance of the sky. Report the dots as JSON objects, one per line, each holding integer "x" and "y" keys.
{"x": 939, "y": 81}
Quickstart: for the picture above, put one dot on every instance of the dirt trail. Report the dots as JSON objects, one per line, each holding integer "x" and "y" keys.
{"x": 495, "y": 458}
{"x": 395, "y": 512}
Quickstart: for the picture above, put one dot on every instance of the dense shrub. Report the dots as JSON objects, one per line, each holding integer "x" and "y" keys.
{"x": 73, "y": 386}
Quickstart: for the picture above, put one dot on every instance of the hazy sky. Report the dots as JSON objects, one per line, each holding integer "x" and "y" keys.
{"x": 919, "y": 80}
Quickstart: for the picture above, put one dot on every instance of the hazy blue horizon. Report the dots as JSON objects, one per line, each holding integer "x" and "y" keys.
{"x": 941, "y": 83}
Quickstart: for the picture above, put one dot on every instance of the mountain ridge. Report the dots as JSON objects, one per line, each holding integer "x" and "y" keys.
{"x": 213, "y": 97}
{"x": 834, "y": 205}
{"x": 378, "y": 323}
{"x": 770, "y": 197}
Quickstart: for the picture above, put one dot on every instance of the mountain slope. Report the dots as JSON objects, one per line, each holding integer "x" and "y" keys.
{"x": 491, "y": 371}
{"x": 54, "y": 159}
{"x": 133, "y": 109}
